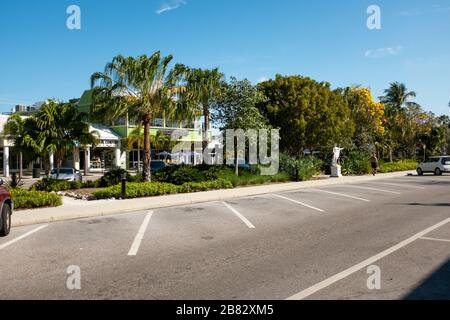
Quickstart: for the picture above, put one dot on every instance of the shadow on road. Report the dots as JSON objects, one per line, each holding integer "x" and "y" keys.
{"x": 435, "y": 287}
{"x": 430, "y": 204}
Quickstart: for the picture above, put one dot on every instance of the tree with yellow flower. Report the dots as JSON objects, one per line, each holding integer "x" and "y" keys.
{"x": 367, "y": 114}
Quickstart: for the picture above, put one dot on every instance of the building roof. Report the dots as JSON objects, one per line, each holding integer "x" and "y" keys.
{"x": 105, "y": 133}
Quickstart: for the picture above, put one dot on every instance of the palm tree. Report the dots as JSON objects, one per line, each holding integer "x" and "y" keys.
{"x": 140, "y": 88}
{"x": 205, "y": 86}
{"x": 15, "y": 129}
{"x": 397, "y": 97}
{"x": 61, "y": 128}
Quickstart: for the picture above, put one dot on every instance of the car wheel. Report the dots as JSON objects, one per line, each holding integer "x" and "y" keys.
{"x": 438, "y": 172}
{"x": 420, "y": 172}
{"x": 6, "y": 221}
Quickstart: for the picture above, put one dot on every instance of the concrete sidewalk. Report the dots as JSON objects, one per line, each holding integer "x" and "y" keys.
{"x": 78, "y": 209}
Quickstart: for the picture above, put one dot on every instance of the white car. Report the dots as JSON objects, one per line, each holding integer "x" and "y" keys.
{"x": 436, "y": 165}
{"x": 67, "y": 174}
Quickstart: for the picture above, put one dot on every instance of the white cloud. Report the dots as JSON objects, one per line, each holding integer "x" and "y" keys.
{"x": 170, "y": 5}
{"x": 383, "y": 52}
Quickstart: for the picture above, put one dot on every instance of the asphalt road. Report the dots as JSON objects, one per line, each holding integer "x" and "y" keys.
{"x": 307, "y": 244}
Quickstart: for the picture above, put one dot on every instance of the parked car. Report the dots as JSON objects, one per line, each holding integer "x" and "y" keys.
{"x": 67, "y": 174}
{"x": 436, "y": 165}
{"x": 7, "y": 206}
{"x": 157, "y": 165}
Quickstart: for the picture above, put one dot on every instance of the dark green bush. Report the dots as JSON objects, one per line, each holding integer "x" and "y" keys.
{"x": 303, "y": 168}
{"x": 113, "y": 177}
{"x": 24, "y": 199}
{"x": 179, "y": 175}
{"x": 356, "y": 162}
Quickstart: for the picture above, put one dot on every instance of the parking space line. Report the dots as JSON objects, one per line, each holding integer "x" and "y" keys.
{"x": 344, "y": 274}
{"x": 434, "y": 239}
{"x": 29, "y": 233}
{"x": 140, "y": 235}
{"x": 342, "y": 195}
{"x": 372, "y": 189}
{"x": 298, "y": 202}
{"x": 240, "y": 216}
{"x": 398, "y": 185}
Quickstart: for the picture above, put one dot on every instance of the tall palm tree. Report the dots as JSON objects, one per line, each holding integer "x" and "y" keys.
{"x": 398, "y": 96}
{"x": 140, "y": 88}
{"x": 205, "y": 86}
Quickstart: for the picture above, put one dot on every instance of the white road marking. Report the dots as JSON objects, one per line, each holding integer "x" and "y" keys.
{"x": 240, "y": 216}
{"x": 398, "y": 185}
{"x": 298, "y": 202}
{"x": 29, "y": 233}
{"x": 367, "y": 188}
{"x": 342, "y": 195}
{"x": 434, "y": 239}
{"x": 344, "y": 274}
{"x": 140, "y": 235}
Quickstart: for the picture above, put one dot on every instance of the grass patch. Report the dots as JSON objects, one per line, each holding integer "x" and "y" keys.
{"x": 401, "y": 165}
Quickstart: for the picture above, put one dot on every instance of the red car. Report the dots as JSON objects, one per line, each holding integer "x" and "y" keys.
{"x": 6, "y": 210}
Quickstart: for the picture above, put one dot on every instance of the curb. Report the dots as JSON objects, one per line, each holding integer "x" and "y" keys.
{"x": 194, "y": 198}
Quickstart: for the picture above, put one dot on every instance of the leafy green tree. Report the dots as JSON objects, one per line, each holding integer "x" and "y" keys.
{"x": 141, "y": 88}
{"x": 236, "y": 106}
{"x": 309, "y": 114}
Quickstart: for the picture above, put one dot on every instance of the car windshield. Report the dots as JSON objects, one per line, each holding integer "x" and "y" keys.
{"x": 63, "y": 171}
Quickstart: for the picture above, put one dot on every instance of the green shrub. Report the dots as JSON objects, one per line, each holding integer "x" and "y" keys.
{"x": 303, "y": 168}
{"x": 356, "y": 163}
{"x": 179, "y": 175}
{"x": 401, "y": 165}
{"x": 113, "y": 177}
{"x": 24, "y": 199}
{"x": 205, "y": 186}
{"x": 150, "y": 189}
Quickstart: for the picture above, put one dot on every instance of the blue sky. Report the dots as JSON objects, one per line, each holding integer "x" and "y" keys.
{"x": 325, "y": 39}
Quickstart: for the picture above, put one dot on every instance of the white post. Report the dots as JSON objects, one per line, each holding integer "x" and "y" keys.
{"x": 87, "y": 160}
{"x": 6, "y": 161}
{"x": 117, "y": 157}
{"x": 76, "y": 158}
{"x": 52, "y": 161}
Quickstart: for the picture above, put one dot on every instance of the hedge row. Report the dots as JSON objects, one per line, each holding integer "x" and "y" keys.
{"x": 402, "y": 165}
{"x": 24, "y": 199}
{"x": 53, "y": 185}
{"x": 150, "y": 189}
